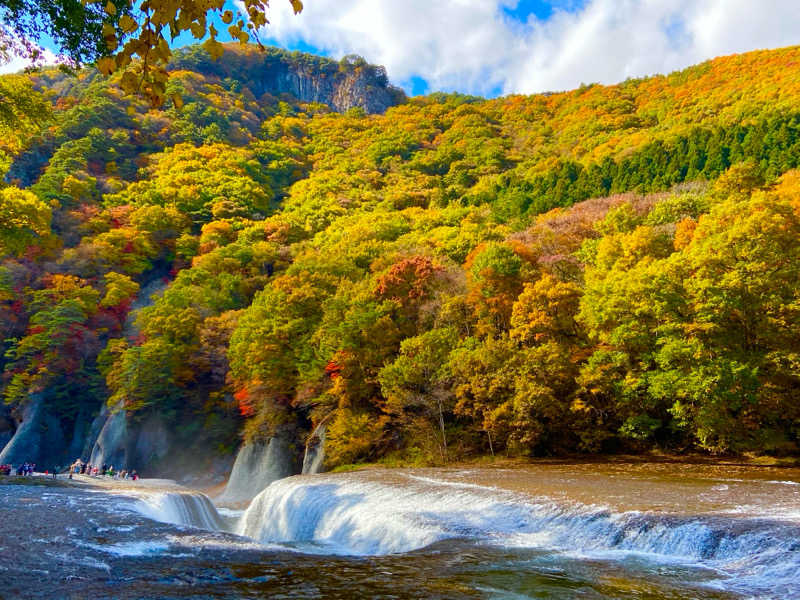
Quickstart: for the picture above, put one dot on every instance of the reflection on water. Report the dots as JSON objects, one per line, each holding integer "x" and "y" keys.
{"x": 546, "y": 531}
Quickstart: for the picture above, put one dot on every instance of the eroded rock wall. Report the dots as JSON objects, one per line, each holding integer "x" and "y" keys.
{"x": 38, "y": 437}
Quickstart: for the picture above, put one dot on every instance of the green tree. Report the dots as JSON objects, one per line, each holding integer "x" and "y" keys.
{"x": 418, "y": 382}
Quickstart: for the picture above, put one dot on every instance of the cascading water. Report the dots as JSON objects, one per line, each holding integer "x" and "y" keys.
{"x": 348, "y": 515}
{"x": 314, "y": 456}
{"x": 256, "y": 466}
{"x": 191, "y": 509}
{"x": 736, "y": 535}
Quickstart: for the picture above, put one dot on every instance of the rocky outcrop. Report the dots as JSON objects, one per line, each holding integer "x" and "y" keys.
{"x": 314, "y": 457}
{"x": 365, "y": 88}
{"x": 342, "y": 85}
{"x": 111, "y": 447}
{"x": 93, "y": 433}
{"x": 131, "y": 445}
{"x": 257, "y": 465}
{"x": 80, "y": 431}
{"x": 152, "y": 441}
{"x": 38, "y": 437}
{"x": 7, "y": 425}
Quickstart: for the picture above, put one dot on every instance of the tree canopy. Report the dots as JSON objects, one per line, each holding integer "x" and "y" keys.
{"x": 130, "y": 36}
{"x": 608, "y": 269}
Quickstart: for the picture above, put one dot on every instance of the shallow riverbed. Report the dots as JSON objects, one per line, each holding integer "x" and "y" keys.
{"x": 577, "y": 530}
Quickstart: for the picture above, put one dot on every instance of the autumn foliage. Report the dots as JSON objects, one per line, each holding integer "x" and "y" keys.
{"x": 614, "y": 268}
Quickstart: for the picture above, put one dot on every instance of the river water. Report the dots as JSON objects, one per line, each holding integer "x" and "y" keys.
{"x": 550, "y": 530}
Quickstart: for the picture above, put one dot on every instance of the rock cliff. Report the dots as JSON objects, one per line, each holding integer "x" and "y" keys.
{"x": 38, "y": 437}
{"x": 342, "y": 85}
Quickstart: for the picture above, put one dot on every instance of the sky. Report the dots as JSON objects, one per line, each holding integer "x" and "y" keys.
{"x": 498, "y": 47}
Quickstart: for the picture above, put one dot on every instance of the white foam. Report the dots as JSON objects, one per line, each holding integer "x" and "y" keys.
{"x": 191, "y": 509}
{"x": 351, "y": 515}
{"x": 128, "y": 549}
{"x": 88, "y": 561}
{"x": 454, "y": 484}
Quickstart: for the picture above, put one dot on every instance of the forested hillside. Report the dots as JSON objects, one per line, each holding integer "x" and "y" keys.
{"x": 609, "y": 268}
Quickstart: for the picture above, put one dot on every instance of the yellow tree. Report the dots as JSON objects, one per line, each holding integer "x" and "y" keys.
{"x": 24, "y": 220}
{"x": 130, "y": 36}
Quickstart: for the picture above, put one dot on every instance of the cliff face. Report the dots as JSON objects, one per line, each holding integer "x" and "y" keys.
{"x": 340, "y": 91}
{"x": 342, "y": 85}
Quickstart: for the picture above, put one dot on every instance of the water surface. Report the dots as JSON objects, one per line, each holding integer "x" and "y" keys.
{"x": 553, "y": 530}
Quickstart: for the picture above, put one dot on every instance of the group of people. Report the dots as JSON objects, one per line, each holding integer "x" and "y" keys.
{"x": 83, "y": 468}
{"x": 24, "y": 469}
{"x": 76, "y": 468}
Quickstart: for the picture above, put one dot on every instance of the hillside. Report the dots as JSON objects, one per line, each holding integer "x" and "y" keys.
{"x": 426, "y": 279}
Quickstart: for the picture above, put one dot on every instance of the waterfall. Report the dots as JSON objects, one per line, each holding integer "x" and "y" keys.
{"x": 315, "y": 452}
{"x": 348, "y": 515}
{"x": 191, "y": 509}
{"x": 256, "y": 466}
{"x": 371, "y": 514}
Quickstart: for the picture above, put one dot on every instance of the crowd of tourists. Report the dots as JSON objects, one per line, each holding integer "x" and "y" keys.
{"x": 79, "y": 467}
{"x": 86, "y": 468}
{"x": 23, "y": 470}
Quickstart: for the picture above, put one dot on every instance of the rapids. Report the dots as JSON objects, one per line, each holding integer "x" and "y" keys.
{"x": 752, "y": 550}
{"x": 653, "y": 530}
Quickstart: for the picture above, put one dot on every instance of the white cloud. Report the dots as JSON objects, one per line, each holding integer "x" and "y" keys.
{"x": 473, "y": 46}
{"x": 17, "y": 63}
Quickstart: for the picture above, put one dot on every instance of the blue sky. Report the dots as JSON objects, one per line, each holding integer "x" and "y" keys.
{"x": 494, "y": 47}
{"x": 539, "y": 9}
{"x": 519, "y": 12}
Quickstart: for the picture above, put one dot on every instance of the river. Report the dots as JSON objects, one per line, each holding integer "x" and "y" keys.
{"x": 549, "y": 530}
